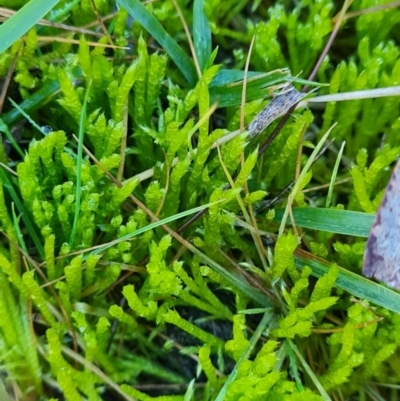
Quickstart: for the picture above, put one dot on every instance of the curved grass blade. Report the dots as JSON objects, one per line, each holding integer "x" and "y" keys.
{"x": 23, "y": 20}
{"x": 331, "y": 220}
{"x": 229, "y": 76}
{"x": 201, "y": 34}
{"x": 138, "y": 11}
{"x": 28, "y": 117}
{"x": 354, "y": 284}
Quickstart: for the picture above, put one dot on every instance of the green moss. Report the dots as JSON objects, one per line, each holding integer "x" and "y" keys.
{"x": 183, "y": 316}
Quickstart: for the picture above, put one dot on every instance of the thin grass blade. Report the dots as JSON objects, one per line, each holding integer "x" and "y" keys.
{"x": 156, "y": 224}
{"x": 303, "y": 172}
{"x": 25, "y": 217}
{"x": 309, "y": 371}
{"x": 23, "y": 20}
{"x": 201, "y": 34}
{"x": 236, "y": 281}
{"x": 337, "y": 221}
{"x": 353, "y": 283}
{"x": 138, "y": 11}
{"x": 334, "y": 174}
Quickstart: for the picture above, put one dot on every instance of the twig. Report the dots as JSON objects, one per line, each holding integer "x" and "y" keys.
{"x": 7, "y": 81}
{"x": 188, "y": 36}
{"x": 369, "y": 10}
{"x": 100, "y": 21}
{"x": 52, "y": 39}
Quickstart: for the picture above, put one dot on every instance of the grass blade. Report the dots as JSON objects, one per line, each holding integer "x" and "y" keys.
{"x": 201, "y": 34}
{"x": 307, "y": 368}
{"x": 138, "y": 11}
{"x": 153, "y": 225}
{"x": 3, "y": 393}
{"x": 300, "y": 178}
{"x": 25, "y": 217}
{"x": 23, "y": 20}
{"x": 354, "y": 284}
{"x": 334, "y": 174}
{"x": 336, "y": 221}
{"x": 5, "y": 130}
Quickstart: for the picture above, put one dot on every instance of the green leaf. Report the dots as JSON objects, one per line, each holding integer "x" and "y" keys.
{"x": 23, "y": 20}
{"x": 151, "y": 24}
{"x": 201, "y": 35}
{"x": 354, "y": 284}
{"x": 331, "y": 220}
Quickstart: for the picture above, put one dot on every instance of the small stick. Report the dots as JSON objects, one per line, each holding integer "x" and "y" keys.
{"x": 103, "y": 28}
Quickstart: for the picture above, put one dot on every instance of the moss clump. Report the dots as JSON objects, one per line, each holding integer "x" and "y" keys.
{"x": 116, "y": 142}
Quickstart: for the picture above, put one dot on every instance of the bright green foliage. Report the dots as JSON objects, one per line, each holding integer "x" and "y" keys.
{"x": 73, "y": 277}
{"x": 39, "y": 297}
{"x": 345, "y": 361}
{"x": 283, "y": 258}
{"x": 134, "y": 302}
{"x": 118, "y": 313}
{"x": 161, "y": 280}
{"x": 178, "y": 317}
{"x": 306, "y": 36}
{"x": 138, "y": 395}
{"x": 209, "y": 339}
{"x": 6, "y": 225}
{"x": 239, "y": 343}
{"x": 299, "y": 321}
{"x": 71, "y": 101}
{"x": 71, "y": 380}
{"x": 18, "y": 347}
{"x": 206, "y": 365}
{"x": 260, "y": 380}
{"x": 365, "y": 180}
{"x": 286, "y": 145}
{"x": 105, "y": 136}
